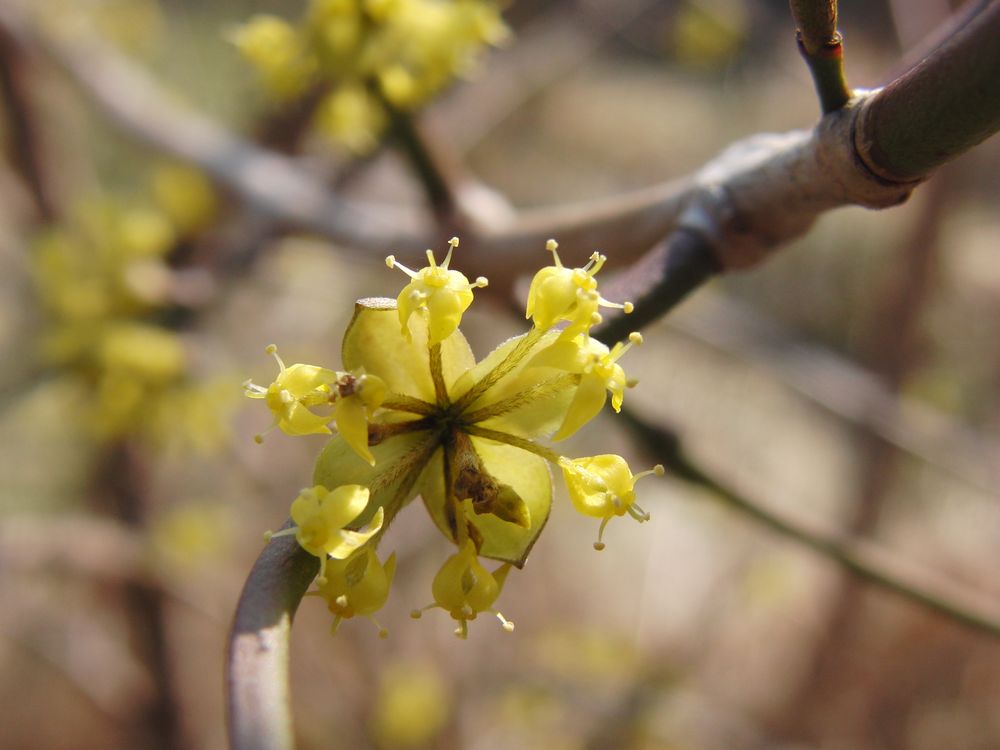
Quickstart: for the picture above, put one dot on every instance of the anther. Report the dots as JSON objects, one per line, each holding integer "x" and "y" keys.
{"x": 390, "y": 261}
{"x": 628, "y": 307}
{"x": 506, "y": 624}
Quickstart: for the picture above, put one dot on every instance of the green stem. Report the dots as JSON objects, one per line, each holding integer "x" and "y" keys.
{"x": 399, "y": 402}
{"x": 535, "y": 392}
{"x": 508, "y": 363}
{"x": 518, "y": 442}
{"x": 821, "y": 46}
{"x": 826, "y": 65}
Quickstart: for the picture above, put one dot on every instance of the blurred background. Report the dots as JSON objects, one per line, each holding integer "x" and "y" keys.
{"x": 852, "y": 380}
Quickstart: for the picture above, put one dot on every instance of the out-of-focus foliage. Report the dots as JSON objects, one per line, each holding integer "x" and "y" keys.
{"x": 363, "y": 55}
{"x": 104, "y": 283}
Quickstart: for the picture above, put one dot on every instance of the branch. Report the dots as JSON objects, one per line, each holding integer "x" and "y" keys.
{"x": 259, "y": 714}
{"x": 26, "y": 152}
{"x": 945, "y": 105}
{"x": 821, "y": 46}
{"x": 867, "y": 560}
{"x": 846, "y": 391}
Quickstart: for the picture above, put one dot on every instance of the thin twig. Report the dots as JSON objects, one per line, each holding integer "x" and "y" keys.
{"x": 821, "y": 46}
{"x": 845, "y": 390}
{"x": 862, "y": 558}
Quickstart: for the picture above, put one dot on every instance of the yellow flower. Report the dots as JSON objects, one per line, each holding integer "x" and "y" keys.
{"x": 561, "y": 294}
{"x": 599, "y": 372}
{"x": 438, "y": 293}
{"x": 305, "y": 399}
{"x": 428, "y": 421}
{"x": 463, "y": 588}
{"x": 604, "y": 487}
{"x": 293, "y": 394}
{"x": 357, "y": 585}
{"x": 321, "y": 517}
{"x": 274, "y": 48}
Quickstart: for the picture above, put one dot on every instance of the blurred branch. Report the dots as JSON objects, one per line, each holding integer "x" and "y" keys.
{"x": 433, "y": 174}
{"x": 121, "y": 484}
{"x": 821, "y": 46}
{"x": 24, "y": 146}
{"x": 86, "y": 546}
{"x": 869, "y": 561}
{"x": 758, "y": 194}
{"x": 846, "y": 391}
{"x": 259, "y": 714}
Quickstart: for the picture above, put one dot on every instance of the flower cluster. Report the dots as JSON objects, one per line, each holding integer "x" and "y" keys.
{"x": 365, "y": 55}
{"x": 103, "y": 281}
{"x": 417, "y": 416}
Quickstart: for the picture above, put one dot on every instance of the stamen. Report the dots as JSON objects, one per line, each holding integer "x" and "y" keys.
{"x": 259, "y": 437}
{"x": 462, "y": 631}
{"x": 391, "y": 262}
{"x": 638, "y": 513}
{"x": 599, "y": 544}
{"x": 595, "y": 264}
{"x": 452, "y": 244}
{"x": 551, "y": 246}
{"x": 658, "y": 470}
{"x": 481, "y": 282}
{"x": 383, "y": 633}
{"x": 626, "y": 307}
{"x": 430, "y": 258}
{"x": 506, "y": 624}
{"x": 272, "y": 349}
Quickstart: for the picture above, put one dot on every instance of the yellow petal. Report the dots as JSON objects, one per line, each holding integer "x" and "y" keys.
{"x": 587, "y": 403}
{"x": 351, "y": 417}
{"x": 373, "y": 341}
{"x": 343, "y": 543}
{"x": 344, "y": 504}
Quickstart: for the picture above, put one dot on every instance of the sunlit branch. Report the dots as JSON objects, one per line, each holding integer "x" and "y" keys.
{"x": 871, "y": 562}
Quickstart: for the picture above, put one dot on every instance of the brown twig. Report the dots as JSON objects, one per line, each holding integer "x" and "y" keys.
{"x": 24, "y": 144}
{"x": 862, "y": 558}
{"x": 845, "y": 390}
{"x": 122, "y": 484}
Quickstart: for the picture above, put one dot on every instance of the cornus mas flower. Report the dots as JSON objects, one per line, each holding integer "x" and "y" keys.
{"x": 437, "y": 291}
{"x": 321, "y": 517}
{"x": 356, "y": 586}
{"x": 464, "y": 437}
{"x": 305, "y": 399}
{"x": 604, "y": 487}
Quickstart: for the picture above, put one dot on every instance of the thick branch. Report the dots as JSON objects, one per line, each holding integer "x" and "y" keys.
{"x": 259, "y": 714}
{"x": 864, "y": 559}
{"x": 945, "y": 105}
